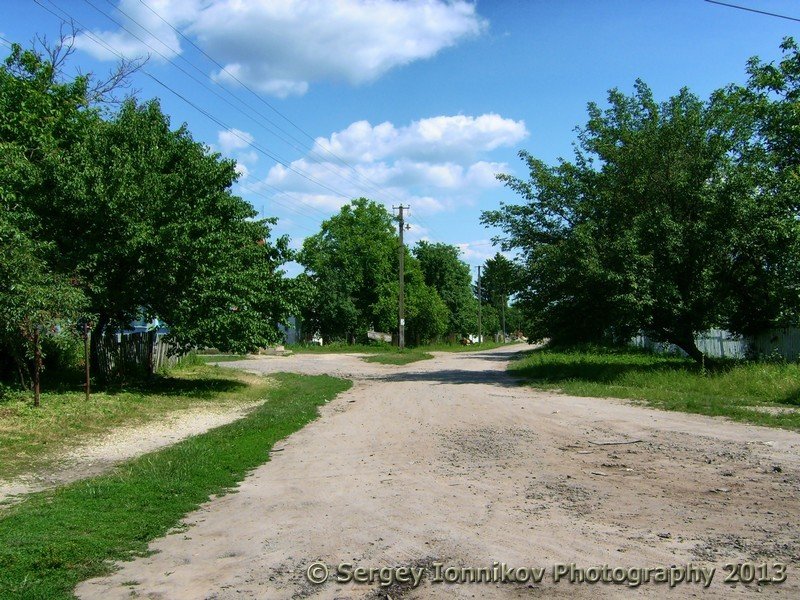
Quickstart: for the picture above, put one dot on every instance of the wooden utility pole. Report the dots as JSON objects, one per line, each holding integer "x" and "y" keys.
{"x": 401, "y": 227}
{"x": 480, "y": 297}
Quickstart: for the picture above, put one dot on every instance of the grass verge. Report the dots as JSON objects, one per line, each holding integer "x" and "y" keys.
{"x": 215, "y": 358}
{"x": 54, "y": 540}
{"x": 398, "y": 357}
{"x": 444, "y": 347}
{"x": 339, "y": 347}
{"x": 31, "y": 438}
{"x": 759, "y": 393}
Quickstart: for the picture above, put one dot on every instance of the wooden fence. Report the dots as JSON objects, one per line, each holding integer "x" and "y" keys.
{"x": 122, "y": 355}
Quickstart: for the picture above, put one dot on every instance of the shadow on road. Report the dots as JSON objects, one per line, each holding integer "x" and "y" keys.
{"x": 452, "y": 376}
{"x": 490, "y": 374}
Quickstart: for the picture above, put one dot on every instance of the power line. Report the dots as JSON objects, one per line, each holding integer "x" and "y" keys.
{"x": 262, "y": 120}
{"x": 375, "y": 187}
{"x": 218, "y": 121}
{"x": 262, "y": 100}
{"x": 186, "y": 100}
{"x": 753, "y": 10}
{"x": 205, "y": 113}
{"x": 277, "y": 158}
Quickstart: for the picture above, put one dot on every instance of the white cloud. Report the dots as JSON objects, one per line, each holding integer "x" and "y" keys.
{"x": 484, "y": 174}
{"x": 282, "y": 46}
{"x": 416, "y": 233}
{"x": 431, "y": 139}
{"x": 435, "y": 163}
{"x": 242, "y": 170}
{"x": 325, "y": 202}
{"x": 250, "y": 157}
{"x": 144, "y": 30}
{"x": 427, "y": 204}
{"x": 234, "y": 139}
{"x": 232, "y": 142}
{"x": 478, "y": 251}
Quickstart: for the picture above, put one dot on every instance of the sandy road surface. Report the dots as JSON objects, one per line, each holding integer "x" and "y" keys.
{"x": 448, "y": 461}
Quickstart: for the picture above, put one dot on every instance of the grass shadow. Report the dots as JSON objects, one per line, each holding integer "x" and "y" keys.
{"x": 595, "y": 365}
{"x": 741, "y": 390}
{"x": 205, "y": 388}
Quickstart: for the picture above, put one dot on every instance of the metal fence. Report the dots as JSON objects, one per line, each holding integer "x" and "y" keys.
{"x": 781, "y": 342}
{"x": 720, "y": 343}
{"x": 121, "y": 355}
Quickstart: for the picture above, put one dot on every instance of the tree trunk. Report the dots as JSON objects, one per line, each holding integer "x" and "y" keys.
{"x": 152, "y": 338}
{"x": 21, "y": 368}
{"x": 95, "y": 339}
{"x": 688, "y": 345}
{"x": 86, "y": 339}
{"x": 37, "y": 366}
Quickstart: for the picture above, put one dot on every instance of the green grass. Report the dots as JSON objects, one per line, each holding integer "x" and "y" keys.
{"x": 409, "y": 355}
{"x": 215, "y": 358}
{"x": 339, "y": 347}
{"x": 53, "y": 540}
{"x": 444, "y": 347}
{"x": 398, "y": 357}
{"x": 380, "y": 348}
{"x": 743, "y": 391}
{"x": 32, "y": 438}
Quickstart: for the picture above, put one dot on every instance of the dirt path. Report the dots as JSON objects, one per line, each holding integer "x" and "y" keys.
{"x": 97, "y": 456}
{"x": 447, "y": 461}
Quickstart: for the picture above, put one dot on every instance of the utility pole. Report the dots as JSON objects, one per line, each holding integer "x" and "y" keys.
{"x": 480, "y": 296}
{"x": 401, "y": 227}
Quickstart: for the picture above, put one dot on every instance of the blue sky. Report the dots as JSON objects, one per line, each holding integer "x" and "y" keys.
{"x": 419, "y": 102}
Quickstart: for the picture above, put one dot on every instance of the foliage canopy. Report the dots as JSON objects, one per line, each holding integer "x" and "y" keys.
{"x": 672, "y": 217}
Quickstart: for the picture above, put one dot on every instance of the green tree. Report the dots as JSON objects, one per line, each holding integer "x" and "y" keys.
{"x": 34, "y": 303}
{"x": 427, "y": 315}
{"x": 351, "y": 268}
{"x": 140, "y": 216}
{"x": 515, "y": 319}
{"x": 499, "y": 281}
{"x": 768, "y": 263}
{"x": 645, "y": 229}
{"x": 490, "y": 321}
{"x": 352, "y": 264}
{"x": 446, "y": 273}
{"x": 41, "y": 121}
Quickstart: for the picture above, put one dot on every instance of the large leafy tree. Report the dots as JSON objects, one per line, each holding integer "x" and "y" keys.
{"x": 352, "y": 264}
{"x": 445, "y": 272}
{"x": 648, "y": 228}
{"x": 768, "y": 273}
{"x": 34, "y": 302}
{"x": 498, "y": 282}
{"x": 184, "y": 248}
{"x": 427, "y": 314}
{"x": 351, "y": 270}
{"x": 42, "y": 120}
{"x": 140, "y": 217}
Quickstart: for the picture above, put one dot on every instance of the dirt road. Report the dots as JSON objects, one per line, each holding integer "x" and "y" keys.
{"x": 448, "y": 462}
